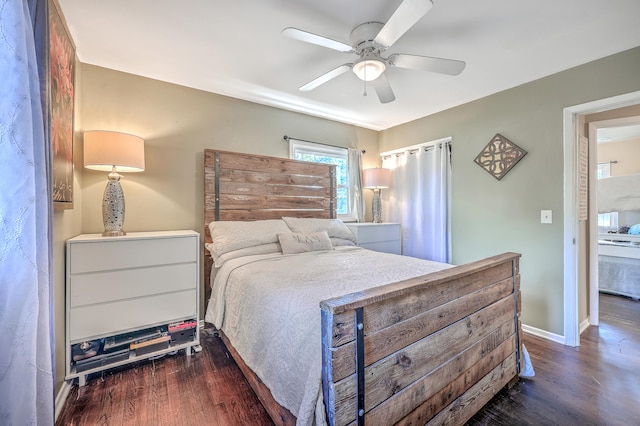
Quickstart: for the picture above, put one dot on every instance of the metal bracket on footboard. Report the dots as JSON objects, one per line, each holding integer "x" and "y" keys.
{"x": 360, "y": 364}
{"x": 217, "y": 186}
{"x": 514, "y": 274}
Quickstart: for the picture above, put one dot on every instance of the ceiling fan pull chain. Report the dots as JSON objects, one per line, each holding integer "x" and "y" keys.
{"x": 364, "y": 82}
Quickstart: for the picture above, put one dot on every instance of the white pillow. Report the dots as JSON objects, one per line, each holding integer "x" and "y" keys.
{"x": 294, "y": 242}
{"x": 248, "y": 251}
{"x": 335, "y": 227}
{"x": 229, "y": 236}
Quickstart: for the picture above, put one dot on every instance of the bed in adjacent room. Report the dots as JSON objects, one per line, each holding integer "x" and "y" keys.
{"x": 326, "y": 331}
{"x": 619, "y": 252}
{"x": 619, "y": 264}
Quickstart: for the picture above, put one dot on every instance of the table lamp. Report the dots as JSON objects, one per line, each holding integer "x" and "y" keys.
{"x": 113, "y": 152}
{"x": 376, "y": 180}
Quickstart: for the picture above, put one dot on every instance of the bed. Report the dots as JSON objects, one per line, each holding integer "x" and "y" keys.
{"x": 411, "y": 342}
{"x": 619, "y": 253}
{"x": 619, "y": 264}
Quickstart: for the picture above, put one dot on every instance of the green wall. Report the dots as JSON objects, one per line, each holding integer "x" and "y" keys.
{"x": 490, "y": 216}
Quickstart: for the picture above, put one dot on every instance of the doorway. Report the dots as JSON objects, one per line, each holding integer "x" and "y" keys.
{"x": 609, "y": 143}
{"x": 576, "y": 243}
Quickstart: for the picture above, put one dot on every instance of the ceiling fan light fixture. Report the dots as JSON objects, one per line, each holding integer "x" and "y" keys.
{"x": 368, "y": 69}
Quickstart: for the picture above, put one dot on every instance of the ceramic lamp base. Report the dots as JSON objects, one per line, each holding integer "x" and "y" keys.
{"x": 376, "y": 207}
{"x": 113, "y": 208}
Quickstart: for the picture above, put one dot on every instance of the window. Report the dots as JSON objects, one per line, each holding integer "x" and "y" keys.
{"x": 609, "y": 220}
{"x": 318, "y": 153}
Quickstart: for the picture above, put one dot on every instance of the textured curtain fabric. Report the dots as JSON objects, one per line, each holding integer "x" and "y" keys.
{"x": 26, "y": 364}
{"x": 419, "y": 200}
{"x": 356, "y": 200}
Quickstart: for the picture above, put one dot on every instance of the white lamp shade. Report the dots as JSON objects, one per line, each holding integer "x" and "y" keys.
{"x": 377, "y": 178}
{"x": 104, "y": 149}
{"x": 368, "y": 69}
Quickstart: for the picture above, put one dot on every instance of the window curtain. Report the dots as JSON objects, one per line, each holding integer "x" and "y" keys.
{"x": 356, "y": 200}
{"x": 26, "y": 353}
{"x": 419, "y": 199}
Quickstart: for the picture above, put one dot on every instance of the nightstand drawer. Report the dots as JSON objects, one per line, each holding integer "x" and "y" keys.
{"x": 384, "y": 237}
{"x": 110, "y": 254}
{"x": 378, "y": 232}
{"x": 109, "y": 286}
{"x": 88, "y": 322}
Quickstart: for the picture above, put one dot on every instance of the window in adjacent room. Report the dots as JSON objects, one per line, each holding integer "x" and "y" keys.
{"x": 609, "y": 220}
{"x": 318, "y": 153}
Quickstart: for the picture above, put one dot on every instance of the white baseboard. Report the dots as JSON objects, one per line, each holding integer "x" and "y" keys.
{"x": 583, "y": 325}
{"x": 61, "y": 397}
{"x": 543, "y": 334}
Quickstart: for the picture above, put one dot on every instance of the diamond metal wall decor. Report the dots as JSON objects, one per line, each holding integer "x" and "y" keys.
{"x": 499, "y": 156}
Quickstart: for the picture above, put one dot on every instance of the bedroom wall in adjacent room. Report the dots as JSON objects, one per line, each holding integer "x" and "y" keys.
{"x": 625, "y": 153}
{"x": 491, "y": 216}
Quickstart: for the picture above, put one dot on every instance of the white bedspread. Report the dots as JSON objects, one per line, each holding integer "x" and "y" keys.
{"x": 619, "y": 193}
{"x": 268, "y": 307}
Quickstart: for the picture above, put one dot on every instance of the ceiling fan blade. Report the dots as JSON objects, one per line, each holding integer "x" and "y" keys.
{"x": 325, "y": 77}
{"x": 316, "y": 39}
{"x": 426, "y": 63}
{"x": 405, "y": 16}
{"x": 383, "y": 89}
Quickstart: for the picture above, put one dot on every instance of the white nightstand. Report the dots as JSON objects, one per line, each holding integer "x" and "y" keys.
{"x": 383, "y": 237}
{"x": 118, "y": 286}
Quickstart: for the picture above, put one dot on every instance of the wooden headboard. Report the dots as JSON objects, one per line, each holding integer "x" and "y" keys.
{"x": 251, "y": 187}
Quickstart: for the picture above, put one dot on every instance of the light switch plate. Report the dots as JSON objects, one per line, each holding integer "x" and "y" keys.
{"x": 546, "y": 216}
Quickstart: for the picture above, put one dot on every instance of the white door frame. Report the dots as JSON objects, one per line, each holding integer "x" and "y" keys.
{"x": 594, "y": 306}
{"x": 571, "y": 238}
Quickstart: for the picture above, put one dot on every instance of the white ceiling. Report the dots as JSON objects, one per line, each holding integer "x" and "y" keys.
{"x": 235, "y": 48}
{"x": 619, "y": 134}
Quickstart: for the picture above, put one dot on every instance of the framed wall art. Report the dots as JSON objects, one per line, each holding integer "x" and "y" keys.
{"x": 62, "y": 64}
{"x": 499, "y": 156}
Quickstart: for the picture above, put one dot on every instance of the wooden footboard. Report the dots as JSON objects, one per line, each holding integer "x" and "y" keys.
{"x": 432, "y": 349}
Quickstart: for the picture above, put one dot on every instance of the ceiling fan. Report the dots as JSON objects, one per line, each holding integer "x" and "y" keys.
{"x": 369, "y": 41}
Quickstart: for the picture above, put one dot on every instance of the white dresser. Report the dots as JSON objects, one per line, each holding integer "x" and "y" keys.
{"x": 383, "y": 237}
{"x": 117, "y": 286}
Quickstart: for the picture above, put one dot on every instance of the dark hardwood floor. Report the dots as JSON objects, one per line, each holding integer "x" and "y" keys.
{"x": 597, "y": 383}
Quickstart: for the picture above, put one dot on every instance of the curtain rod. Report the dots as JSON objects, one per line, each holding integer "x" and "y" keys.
{"x": 610, "y": 162}
{"x": 414, "y": 148}
{"x": 287, "y": 138}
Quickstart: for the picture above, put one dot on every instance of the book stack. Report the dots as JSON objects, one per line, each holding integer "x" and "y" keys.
{"x": 141, "y": 341}
{"x": 182, "y": 331}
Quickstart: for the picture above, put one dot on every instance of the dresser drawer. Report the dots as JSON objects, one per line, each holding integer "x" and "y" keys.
{"x": 105, "y": 255}
{"x": 108, "y": 286}
{"x": 87, "y": 322}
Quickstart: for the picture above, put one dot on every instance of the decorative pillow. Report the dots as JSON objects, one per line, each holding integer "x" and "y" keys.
{"x": 334, "y": 227}
{"x": 235, "y": 235}
{"x": 294, "y": 242}
{"x": 248, "y": 251}
{"x": 635, "y": 229}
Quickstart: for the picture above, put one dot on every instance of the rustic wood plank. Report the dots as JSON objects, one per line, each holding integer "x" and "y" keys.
{"x": 431, "y": 394}
{"x": 381, "y": 343}
{"x": 260, "y": 163}
{"x": 265, "y": 201}
{"x": 452, "y": 276}
{"x": 463, "y": 408}
{"x": 397, "y": 371}
{"x": 434, "y": 291}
